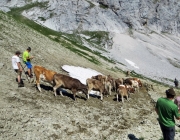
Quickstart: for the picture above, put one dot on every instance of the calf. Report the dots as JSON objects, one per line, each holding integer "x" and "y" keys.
{"x": 133, "y": 82}
{"x": 118, "y": 82}
{"x": 135, "y": 85}
{"x": 96, "y": 85}
{"x": 42, "y": 73}
{"x": 110, "y": 84}
{"x": 138, "y": 80}
{"x": 106, "y": 80}
{"x": 70, "y": 83}
{"x": 123, "y": 91}
{"x": 100, "y": 77}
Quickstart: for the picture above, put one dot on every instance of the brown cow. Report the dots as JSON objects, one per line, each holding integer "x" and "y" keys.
{"x": 123, "y": 91}
{"x": 128, "y": 81}
{"x": 106, "y": 80}
{"x": 70, "y": 83}
{"x": 118, "y": 81}
{"x": 110, "y": 84}
{"x": 100, "y": 77}
{"x": 96, "y": 85}
{"x": 42, "y": 73}
{"x": 138, "y": 80}
{"x": 133, "y": 83}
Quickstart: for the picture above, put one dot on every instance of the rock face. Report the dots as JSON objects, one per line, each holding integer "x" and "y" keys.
{"x": 104, "y": 15}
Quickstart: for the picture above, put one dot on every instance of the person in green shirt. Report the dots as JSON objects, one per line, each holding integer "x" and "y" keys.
{"x": 27, "y": 60}
{"x": 167, "y": 111}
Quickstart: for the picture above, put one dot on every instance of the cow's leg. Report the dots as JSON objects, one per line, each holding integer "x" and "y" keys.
{"x": 122, "y": 98}
{"x": 88, "y": 95}
{"x": 38, "y": 86}
{"x": 138, "y": 89}
{"x": 38, "y": 83}
{"x": 106, "y": 89}
{"x": 110, "y": 90}
{"x": 37, "y": 74}
{"x": 101, "y": 95}
{"x": 74, "y": 93}
{"x": 127, "y": 98}
{"x": 55, "y": 88}
{"x": 117, "y": 97}
{"x": 61, "y": 93}
{"x": 89, "y": 89}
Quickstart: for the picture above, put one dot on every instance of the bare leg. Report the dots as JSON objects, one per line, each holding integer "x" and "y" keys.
{"x": 29, "y": 72}
{"x": 19, "y": 78}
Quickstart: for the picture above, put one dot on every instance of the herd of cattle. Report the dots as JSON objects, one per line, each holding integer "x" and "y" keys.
{"x": 103, "y": 84}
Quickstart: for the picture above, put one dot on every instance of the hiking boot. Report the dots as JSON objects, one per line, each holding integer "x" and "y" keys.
{"x": 31, "y": 76}
{"x": 20, "y": 85}
{"x": 21, "y": 81}
{"x": 26, "y": 72}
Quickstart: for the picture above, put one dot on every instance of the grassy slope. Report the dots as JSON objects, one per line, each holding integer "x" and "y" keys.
{"x": 15, "y": 35}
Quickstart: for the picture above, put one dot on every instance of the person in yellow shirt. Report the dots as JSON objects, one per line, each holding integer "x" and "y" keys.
{"x": 27, "y": 60}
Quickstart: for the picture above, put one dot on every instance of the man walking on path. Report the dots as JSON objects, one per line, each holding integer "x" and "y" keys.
{"x": 167, "y": 111}
{"x": 176, "y": 83}
{"x": 17, "y": 68}
{"x": 27, "y": 60}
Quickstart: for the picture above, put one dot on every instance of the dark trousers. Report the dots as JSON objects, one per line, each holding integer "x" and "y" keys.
{"x": 168, "y": 132}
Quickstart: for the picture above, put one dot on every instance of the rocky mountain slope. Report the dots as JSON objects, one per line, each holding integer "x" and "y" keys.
{"x": 142, "y": 36}
{"x": 28, "y": 114}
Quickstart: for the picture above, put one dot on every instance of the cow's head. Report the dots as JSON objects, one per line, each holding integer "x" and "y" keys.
{"x": 139, "y": 82}
{"x": 42, "y": 77}
{"x": 130, "y": 89}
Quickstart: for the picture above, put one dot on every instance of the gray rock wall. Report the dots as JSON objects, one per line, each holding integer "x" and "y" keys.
{"x": 104, "y": 15}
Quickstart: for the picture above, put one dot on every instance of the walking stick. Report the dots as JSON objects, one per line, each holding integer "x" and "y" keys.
{"x": 25, "y": 72}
